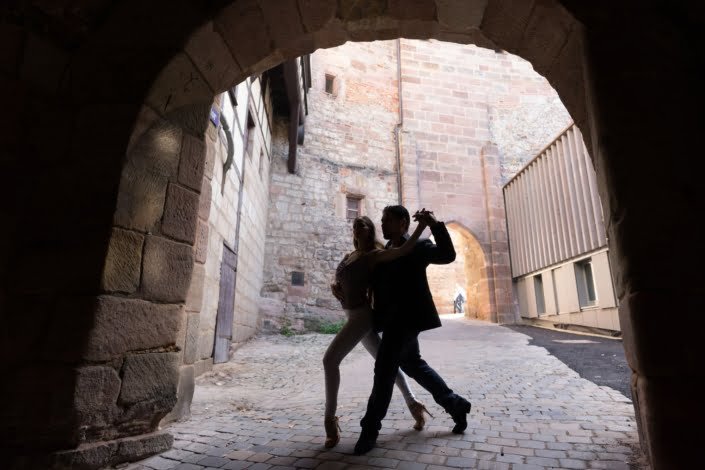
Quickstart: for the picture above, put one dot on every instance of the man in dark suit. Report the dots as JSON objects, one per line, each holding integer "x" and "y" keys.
{"x": 404, "y": 308}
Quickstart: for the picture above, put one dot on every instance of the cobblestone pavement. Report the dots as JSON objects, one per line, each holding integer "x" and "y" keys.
{"x": 264, "y": 410}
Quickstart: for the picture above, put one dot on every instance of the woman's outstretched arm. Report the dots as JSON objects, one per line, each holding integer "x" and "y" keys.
{"x": 384, "y": 256}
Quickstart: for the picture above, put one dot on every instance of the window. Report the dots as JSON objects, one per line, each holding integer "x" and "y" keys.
{"x": 585, "y": 283}
{"x": 330, "y": 84}
{"x": 538, "y": 292}
{"x": 297, "y": 278}
{"x": 353, "y": 204}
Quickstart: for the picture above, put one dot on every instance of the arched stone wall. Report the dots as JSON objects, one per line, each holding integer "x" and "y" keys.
{"x": 470, "y": 271}
{"x": 74, "y": 82}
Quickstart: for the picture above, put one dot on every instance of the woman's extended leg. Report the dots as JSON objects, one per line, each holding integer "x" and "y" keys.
{"x": 358, "y": 324}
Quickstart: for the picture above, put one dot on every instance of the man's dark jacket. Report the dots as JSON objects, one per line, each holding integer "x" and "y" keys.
{"x": 401, "y": 296}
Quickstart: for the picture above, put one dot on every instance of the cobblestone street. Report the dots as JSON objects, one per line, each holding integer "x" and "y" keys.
{"x": 264, "y": 410}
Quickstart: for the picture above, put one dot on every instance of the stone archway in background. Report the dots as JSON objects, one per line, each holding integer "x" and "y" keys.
{"x": 94, "y": 288}
{"x": 468, "y": 274}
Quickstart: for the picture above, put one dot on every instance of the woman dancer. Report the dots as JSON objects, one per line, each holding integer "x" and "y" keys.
{"x": 352, "y": 289}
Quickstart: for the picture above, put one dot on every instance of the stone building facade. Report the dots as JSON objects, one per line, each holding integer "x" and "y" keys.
{"x": 349, "y": 154}
{"x": 425, "y": 123}
{"x": 222, "y": 301}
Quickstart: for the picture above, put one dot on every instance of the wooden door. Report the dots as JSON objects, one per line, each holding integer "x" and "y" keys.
{"x": 226, "y": 306}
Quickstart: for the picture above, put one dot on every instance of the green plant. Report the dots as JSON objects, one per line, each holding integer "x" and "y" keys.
{"x": 329, "y": 328}
{"x": 286, "y": 328}
{"x": 286, "y": 331}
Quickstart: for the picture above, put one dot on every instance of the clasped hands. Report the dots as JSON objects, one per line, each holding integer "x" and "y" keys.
{"x": 425, "y": 217}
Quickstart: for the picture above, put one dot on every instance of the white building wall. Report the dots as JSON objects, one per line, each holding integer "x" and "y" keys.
{"x": 223, "y": 216}
{"x": 560, "y": 287}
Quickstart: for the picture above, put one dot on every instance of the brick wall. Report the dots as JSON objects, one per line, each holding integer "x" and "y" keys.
{"x": 471, "y": 117}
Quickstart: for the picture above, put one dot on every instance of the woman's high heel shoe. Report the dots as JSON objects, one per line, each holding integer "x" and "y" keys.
{"x": 332, "y": 431}
{"x": 417, "y": 409}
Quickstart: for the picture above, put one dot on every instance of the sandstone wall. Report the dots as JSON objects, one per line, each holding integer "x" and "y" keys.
{"x": 349, "y": 149}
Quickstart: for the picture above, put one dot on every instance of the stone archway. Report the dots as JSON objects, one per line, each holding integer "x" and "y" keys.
{"x": 469, "y": 274}
{"x": 85, "y": 277}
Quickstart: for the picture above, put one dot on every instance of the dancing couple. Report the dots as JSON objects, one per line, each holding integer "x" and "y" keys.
{"x": 387, "y": 290}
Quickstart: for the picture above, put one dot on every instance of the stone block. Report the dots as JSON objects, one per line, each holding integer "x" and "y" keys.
{"x": 460, "y": 15}
{"x": 95, "y": 397}
{"x": 282, "y": 17}
{"x": 194, "y": 298}
{"x": 180, "y": 214}
{"x": 204, "y": 203}
{"x": 121, "y": 272}
{"x": 167, "y": 269}
{"x": 546, "y": 33}
{"x": 354, "y": 10}
{"x": 247, "y": 32}
{"x": 120, "y": 325}
{"x": 193, "y": 117}
{"x": 418, "y": 10}
{"x": 179, "y": 84}
{"x": 88, "y": 457}
{"x": 210, "y": 53}
{"x": 333, "y": 34}
{"x": 316, "y": 13}
{"x": 152, "y": 163}
{"x": 191, "y": 343}
{"x": 99, "y": 455}
{"x": 505, "y": 21}
{"x": 150, "y": 377}
{"x": 571, "y": 86}
{"x": 210, "y": 163}
{"x": 200, "y": 248}
{"x": 192, "y": 162}
{"x": 141, "y": 447}
{"x": 146, "y": 118}
{"x": 187, "y": 385}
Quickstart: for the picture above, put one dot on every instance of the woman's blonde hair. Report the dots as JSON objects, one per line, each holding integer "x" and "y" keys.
{"x": 372, "y": 231}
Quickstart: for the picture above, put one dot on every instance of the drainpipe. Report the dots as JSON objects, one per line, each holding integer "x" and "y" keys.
{"x": 400, "y": 124}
